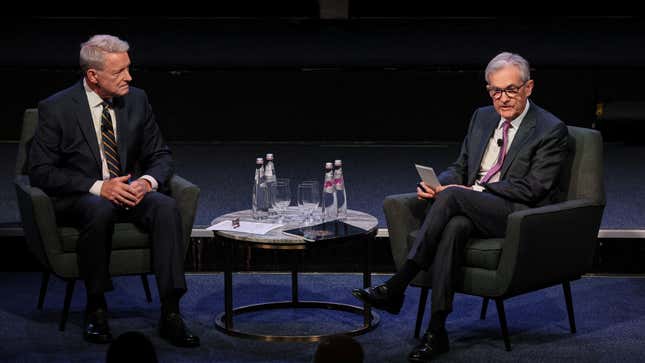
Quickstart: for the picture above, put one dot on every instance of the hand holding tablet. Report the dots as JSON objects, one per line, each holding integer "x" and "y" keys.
{"x": 428, "y": 176}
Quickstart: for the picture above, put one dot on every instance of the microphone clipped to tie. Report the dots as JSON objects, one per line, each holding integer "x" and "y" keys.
{"x": 500, "y": 142}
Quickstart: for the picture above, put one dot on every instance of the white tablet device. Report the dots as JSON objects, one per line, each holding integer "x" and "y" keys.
{"x": 428, "y": 176}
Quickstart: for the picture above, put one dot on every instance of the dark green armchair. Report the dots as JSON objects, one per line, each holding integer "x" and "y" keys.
{"x": 543, "y": 247}
{"x": 55, "y": 247}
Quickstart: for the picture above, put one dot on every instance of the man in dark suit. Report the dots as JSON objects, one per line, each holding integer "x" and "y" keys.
{"x": 100, "y": 155}
{"x": 510, "y": 160}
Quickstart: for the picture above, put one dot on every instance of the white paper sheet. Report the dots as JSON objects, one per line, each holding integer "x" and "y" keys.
{"x": 245, "y": 226}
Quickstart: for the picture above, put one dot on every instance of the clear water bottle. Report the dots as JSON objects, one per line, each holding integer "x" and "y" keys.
{"x": 341, "y": 192}
{"x": 329, "y": 202}
{"x": 260, "y": 201}
{"x": 270, "y": 179}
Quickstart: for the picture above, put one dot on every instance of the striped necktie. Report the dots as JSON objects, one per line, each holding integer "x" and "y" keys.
{"x": 109, "y": 142}
{"x": 501, "y": 156}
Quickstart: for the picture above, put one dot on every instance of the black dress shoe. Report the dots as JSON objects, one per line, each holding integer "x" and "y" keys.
{"x": 380, "y": 297}
{"x": 97, "y": 329}
{"x": 174, "y": 330}
{"x": 432, "y": 344}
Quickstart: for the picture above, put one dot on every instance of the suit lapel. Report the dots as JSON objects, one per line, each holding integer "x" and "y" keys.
{"x": 121, "y": 125}
{"x": 84, "y": 118}
{"x": 527, "y": 127}
{"x": 489, "y": 125}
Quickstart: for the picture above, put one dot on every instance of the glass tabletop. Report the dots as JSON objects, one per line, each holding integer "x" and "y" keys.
{"x": 291, "y": 220}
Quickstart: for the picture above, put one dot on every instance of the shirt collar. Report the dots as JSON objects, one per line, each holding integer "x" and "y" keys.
{"x": 93, "y": 98}
{"x": 518, "y": 120}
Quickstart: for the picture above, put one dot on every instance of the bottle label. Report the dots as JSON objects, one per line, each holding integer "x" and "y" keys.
{"x": 338, "y": 183}
{"x": 329, "y": 186}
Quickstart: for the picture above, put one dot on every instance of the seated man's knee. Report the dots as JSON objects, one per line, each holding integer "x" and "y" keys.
{"x": 452, "y": 194}
{"x": 165, "y": 205}
{"x": 446, "y": 196}
{"x": 99, "y": 210}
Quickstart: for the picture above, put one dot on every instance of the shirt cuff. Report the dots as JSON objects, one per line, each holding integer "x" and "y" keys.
{"x": 96, "y": 188}
{"x": 152, "y": 181}
{"x": 478, "y": 188}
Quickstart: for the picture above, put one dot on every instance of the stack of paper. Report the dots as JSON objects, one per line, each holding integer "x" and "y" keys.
{"x": 244, "y": 226}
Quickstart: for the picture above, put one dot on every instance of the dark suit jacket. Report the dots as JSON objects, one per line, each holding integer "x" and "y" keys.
{"x": 532, "y": 166}
{"x": 64, "y": 155}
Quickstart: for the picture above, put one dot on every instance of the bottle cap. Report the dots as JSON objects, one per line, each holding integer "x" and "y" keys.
{"x": 269, "y": 157}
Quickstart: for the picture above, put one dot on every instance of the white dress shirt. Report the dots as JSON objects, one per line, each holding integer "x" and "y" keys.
{"x": 492, "y": 150}
{"x": 96, "y": 110}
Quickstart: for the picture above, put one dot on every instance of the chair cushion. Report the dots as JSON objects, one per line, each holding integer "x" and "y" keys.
{"x": 479, "y": 252}
{"x": 126, "y": 236}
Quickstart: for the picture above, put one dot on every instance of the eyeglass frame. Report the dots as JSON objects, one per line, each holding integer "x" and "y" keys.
{"x": 496, "y": 93}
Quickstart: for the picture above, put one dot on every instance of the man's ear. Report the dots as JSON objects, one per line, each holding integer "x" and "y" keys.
{"x": 529, "y": 87}
{"x": 91, "y": 76}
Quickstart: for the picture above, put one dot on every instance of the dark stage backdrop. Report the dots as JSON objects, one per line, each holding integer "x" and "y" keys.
{"x": 297, "y": 77}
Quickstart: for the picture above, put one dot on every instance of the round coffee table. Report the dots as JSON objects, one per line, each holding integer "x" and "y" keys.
{"x": 276, "y": 240}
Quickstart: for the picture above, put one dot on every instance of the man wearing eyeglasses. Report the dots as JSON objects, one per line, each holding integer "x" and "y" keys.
{"x": 510, "y": 160}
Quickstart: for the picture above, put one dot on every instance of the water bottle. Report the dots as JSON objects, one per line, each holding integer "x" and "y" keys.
{"x": 329, "y": 202}
{"x": 270, "y": 179}
{"x": 341, "y": 193}
{"x": 260, "y": 202}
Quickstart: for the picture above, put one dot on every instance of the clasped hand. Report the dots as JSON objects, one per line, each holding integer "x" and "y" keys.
{"x": 118, "y": 191}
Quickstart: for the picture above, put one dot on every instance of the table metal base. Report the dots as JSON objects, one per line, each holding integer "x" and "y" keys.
{"x": 278, "y": 242}
{"x": 220, "y": 320}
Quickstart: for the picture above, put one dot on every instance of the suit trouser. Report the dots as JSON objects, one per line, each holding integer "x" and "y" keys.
{"x": 451, "y": 219}
{"x": 95, "y": 217}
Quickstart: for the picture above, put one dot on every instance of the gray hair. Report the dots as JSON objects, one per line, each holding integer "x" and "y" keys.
{"x": 93, "y": 51}
{"x": 509, "y": 59}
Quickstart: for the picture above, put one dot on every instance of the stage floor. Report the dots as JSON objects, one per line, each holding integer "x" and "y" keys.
{"x": 609, "y": 317}
{"x": 224, "y": 172}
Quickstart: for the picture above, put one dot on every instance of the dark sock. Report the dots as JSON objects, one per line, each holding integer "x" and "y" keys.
{"x": 170, "y": 304}
{"x": 438, "y": 322}
{"x": 95, "y": 302}
{"x": 402, "y": 279}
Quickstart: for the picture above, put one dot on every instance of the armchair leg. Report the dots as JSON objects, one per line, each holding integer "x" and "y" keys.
{"x": 43, "y": 289}
{"x": 146, "y": 287}
{"x": 423, "y": 299}
{"x": 502, "y": 322}
{"x": 567, "y": 297}
{"x": 196, "y": 247}
{"x": 69, "y": 291}
{"x": 482, "y": 315}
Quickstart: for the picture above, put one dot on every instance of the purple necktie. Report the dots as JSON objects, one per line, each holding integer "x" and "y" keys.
{"x": 502, "y": 154}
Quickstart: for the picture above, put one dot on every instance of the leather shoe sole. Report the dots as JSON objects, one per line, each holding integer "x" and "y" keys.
{"x": 391, "y": 304}
{"x": 175, "y": 332}
{"x": 96, "y": 328}
{"x": 183, "y": 342}
{"x": 98, "y": 338}
{"x": 432, "y": 345}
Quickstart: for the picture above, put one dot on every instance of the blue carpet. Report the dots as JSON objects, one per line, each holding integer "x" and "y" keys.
{"x": 610, "y": 316}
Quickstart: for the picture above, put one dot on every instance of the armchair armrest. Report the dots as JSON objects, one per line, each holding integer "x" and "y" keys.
{"x": 403, "y": 213}
{"x": 38, "y": 220}
{"x": 550, "y": 244}
{"x": 186, "y": 194}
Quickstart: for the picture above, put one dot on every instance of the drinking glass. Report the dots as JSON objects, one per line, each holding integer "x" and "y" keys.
{"x": 308, "y": 199}
{"x": 281, "y": 197}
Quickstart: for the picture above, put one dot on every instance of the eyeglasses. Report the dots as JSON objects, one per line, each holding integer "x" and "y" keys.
{"x": 511, "y": 91}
